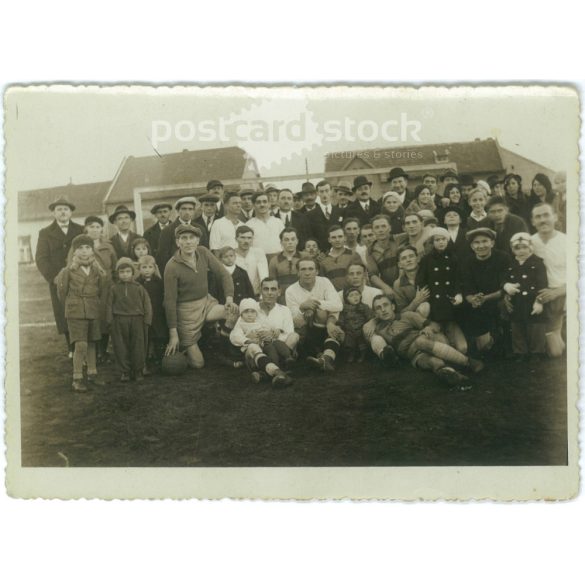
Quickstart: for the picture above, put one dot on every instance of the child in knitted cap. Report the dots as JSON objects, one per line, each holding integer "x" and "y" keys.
{"x": 526, "y": 276}
{"x": 80, "y": 286}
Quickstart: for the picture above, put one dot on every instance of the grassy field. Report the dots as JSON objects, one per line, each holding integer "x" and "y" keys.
{"x": 514, "y": 414}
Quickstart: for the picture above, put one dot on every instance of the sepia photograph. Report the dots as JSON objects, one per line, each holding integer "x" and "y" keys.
{"x": 292, "y": 292}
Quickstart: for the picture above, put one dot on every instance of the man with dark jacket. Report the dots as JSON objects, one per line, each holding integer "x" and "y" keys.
{"x": 122, "y": 218}
{"x": 291, "y": 218}
{"x": 167, "y": 246}
{"x": 398, "y": 180}
{"x": 504, "y": 223}
{"x": 51, "y": 255}
{"x": 364, "y": 207}
{"x": 161, "y": 211}
{"x": 208, "y": 216}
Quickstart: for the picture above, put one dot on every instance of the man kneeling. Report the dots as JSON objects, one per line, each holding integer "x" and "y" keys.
{"x": 414, "y": 338}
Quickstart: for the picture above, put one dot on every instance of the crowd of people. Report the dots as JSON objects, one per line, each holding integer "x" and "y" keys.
{"x": 441, "y": 277}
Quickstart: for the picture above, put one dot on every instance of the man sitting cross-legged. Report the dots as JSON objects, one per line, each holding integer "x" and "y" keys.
{"x": 415, "y": 338}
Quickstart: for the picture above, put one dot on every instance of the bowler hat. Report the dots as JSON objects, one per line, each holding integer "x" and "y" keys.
{"x": 467, "y": 181}
{"x": 214, "y": 183}
{"x": 208, "y": 198}
{"x": 187, "y": 229}
{"x": 121, "y": 209}
{"x": 308, "y": 187}
{"x": 186, "y": 199}
{"x": 93, "y": 219}
{"x": 360, "y": 181}
{"x": 61, "y": 201}
{"x": 160, "y": 206}
{"x": 480, "y": 231}
{"x": 397, "y": 172}
{"x": 343, "y": 186}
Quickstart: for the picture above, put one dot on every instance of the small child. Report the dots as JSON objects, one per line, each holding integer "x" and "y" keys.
{"x": 352, "y": 318}
{"x": 438, "y": 271}
{"x": 526, "y": 276}
{"x": 243, "y": 288}
{"x": 130, "y": 313}
{"x": 139, "y": 248}
{"x": 478, "y": 216}
{"x": 158, "y": 332}
{"x": 312, "y": 249}
{"x": 80, "y": 286}
{"x": 260, "y": 343}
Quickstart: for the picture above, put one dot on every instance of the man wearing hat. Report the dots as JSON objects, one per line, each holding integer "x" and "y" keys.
{"x": 272, "y": 191}
{"x": 504, "y": 223}
{"x": 398, "y": 180}
{"x": 185, "y": 208}
{"x": 364, "y": 207}
{"x": 208, "y": 216}
{"x": 316, "y": 221}
{"x": 247, "y": 212}
{"x": 483, "y": 276}
{"x": 449, "y": 177}
{"x": 162, "y": 212}
{"x": 122, "y": 218}
{"x": 51, "y": 255}
{"x": 215, "y": 187}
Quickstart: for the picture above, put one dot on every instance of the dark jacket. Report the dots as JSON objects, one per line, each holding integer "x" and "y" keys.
{"x": 460, "y": 248}
{"x": 128, "y": 299}
{"x": 81, "y": 293}
{"x": 396, "y": 219}
{"x": 354, "y": 209}
{"x": 519, "y": 206}
{"x": 123, "y": 249}
{"x": 50, "y": 257}
{"x": 318, "y": 227}
{"x": 167, "y": 245}
{"x": 201, "y": 222}
{"x": 439, "y": 271}
{"x": 155, "y": 289}
{"x": 152, "y": 236}
{"x": 354, "y": 317}
{"x": 532, "y": 278}
{"x": 512, "y": 225}
{"x": 301, "y": 223}
{"x": 243, "y": 288}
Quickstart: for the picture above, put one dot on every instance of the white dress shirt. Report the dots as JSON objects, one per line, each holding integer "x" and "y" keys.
{"x": 279, "y": 317}
{"x": 323, "y": 291}
{"x": 554, "y": 255}
{"x": 223, "y": 233}
{"x": 267, "y": 234}
{"x": 255, "y": 264}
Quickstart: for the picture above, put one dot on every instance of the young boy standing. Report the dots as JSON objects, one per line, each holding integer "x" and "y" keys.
{"x": 130, "y": 313}
{"x": 80, "y": 286}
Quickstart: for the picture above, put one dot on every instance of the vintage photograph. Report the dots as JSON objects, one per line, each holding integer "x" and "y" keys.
{"x": 292, "y": 291}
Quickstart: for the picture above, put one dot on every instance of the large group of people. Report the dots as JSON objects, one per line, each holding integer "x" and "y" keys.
{"x": 442, "y": 277}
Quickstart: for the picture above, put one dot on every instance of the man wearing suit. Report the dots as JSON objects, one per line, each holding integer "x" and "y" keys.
{"x": 344, "y": 194}
{"x": 161, "y": 211}
{"x": 364, "y": 207}
{"x": 398, "y": 180}
{"x": 247, "y": 205}
{"x": 319, "y": 215}
{"x": 167, "y": 246}
{"x": 51, "y": 255}
{"x": 215, "y": 187}
{"x": 207, "y": 217}
{"x": 292, "y": 218}
{"x": 122, "y": 218}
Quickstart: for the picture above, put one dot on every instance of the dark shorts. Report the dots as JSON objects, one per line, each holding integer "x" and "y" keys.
{"x": 84, "y": 330}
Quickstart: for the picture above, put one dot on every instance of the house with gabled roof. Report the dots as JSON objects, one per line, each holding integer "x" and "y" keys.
{"x": 480, "y": 158}
{"x": 142, "y": 181}
{"x": 34, "y": 213}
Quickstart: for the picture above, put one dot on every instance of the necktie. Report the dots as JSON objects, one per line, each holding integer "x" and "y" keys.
{"x": 367, "y": 207}
{"x": 287, "y": 220}
{"x": 327, "y": 212}
{"x": 209, "y": 224}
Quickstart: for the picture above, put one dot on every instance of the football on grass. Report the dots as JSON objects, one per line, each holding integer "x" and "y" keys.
{"x": 174, "y": 365}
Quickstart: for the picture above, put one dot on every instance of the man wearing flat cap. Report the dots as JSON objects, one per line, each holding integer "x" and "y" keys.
{"x": 364, "y": 207}
{"x": 51, "y": 255}
{"x": 122, "y": 218}
{"x": 272, "y": 191}
{"x": 398, "y": 180}
{"x": 162, "y": 212}
{"x": 185, "y": 208}
{"x": 215, "y": 187}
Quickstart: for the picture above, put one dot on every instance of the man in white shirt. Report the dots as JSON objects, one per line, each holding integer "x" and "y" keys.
{"x": 356, "y": 277}
{"x": 351, "y": 229}
{"x": 266, "y": 227}
{"x": 551, "y": 245}
{"x": 223, "y": 230}
{"x": 252, "y": 260}
{"x": 315, "y": 307}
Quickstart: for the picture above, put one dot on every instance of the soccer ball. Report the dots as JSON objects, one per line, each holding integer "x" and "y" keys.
{"x": 174, "y": 365}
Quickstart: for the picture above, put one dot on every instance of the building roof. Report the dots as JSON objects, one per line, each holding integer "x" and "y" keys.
{"x": 474, "y": 156}
{"x": 178, "y": 168}
{"x": 88, "y": 200}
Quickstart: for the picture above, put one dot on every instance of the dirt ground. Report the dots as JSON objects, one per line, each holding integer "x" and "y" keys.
{"x": 363, "y": 415}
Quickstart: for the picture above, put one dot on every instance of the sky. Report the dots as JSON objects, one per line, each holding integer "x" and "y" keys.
{"x": 82, "y": 134}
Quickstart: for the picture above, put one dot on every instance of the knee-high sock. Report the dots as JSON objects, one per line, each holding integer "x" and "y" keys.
{"x": 79, "y": 358}
{"x": 264, "y": 364}
{"x": 330, "y": 348}
{"x": 449, "y": 354}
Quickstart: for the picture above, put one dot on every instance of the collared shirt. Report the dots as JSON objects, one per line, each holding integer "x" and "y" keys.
{"x": 162, "y": 226}
{"x": 208, "y": 220}
{"x": 326, "y": 208}
{"x": 267, "y": 234}
{"x": 365, "y": 204}
{"x": 453, "y": 232}
{"x": 285, "y": 271}
{"x": 248, "y": 214}
{"x": 335, "y": 267}
{"x": 223, "y": 233}
{"x": 385, "y": 257}
{"x": 279, "y": 317}
{"x": 369, "y": 293}
{"x": 255, "y": 264}
{"x": 64, "y": 227}
{"x": 322, "y": 291}
{"x": 286, "y": 218}
{"x": 554, "y": 255}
